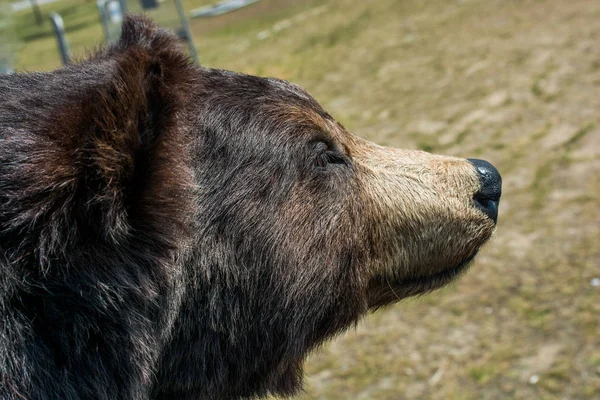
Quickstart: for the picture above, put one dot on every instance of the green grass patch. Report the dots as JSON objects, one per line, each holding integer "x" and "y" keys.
{"x": 482, "y": 374}
{"x": 580, "y": 134}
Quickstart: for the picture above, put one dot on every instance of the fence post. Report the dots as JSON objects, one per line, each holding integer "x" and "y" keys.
{"x": 61, "y": 39}
{"x": 111, "y": 16}
{"x": 185, "y": 27}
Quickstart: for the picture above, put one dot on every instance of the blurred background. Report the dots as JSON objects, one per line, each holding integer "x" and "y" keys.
{"x": 515, "y": 82}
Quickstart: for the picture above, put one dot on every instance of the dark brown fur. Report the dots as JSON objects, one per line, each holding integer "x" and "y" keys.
{"x": 175, "y": 232}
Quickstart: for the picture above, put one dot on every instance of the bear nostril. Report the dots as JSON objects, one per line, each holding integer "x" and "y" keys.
{"x": 488, "y": 196}
{"x": 487, "y": 206}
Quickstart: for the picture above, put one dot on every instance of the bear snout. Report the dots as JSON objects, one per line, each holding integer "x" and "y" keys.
{"x": 433, "y": 213}
{"x": 487, "y": 198}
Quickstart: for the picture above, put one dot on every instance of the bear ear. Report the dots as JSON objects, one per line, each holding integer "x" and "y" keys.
{"x": 134, "y": 152}
{"x": 138, "y": 30}
{"x": 99, "y": 150}
{"x": 141, "y": 32}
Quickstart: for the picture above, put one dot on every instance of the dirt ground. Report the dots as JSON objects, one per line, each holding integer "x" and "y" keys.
{"x": 516, "y": 82}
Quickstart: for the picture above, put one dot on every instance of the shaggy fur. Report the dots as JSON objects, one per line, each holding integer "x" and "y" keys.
{"x": 174, "y": 232}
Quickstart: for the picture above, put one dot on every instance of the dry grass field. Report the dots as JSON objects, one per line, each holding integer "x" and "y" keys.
{"x": 516, "y": 82}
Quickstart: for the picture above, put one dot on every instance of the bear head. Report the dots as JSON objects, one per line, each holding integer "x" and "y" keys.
{"x": 176, "y": 231}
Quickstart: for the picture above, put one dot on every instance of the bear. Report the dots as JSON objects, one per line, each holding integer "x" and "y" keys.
{"x": 170, "y": 231}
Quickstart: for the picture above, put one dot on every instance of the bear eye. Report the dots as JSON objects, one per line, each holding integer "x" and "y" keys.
{"x": 326, "y": 156}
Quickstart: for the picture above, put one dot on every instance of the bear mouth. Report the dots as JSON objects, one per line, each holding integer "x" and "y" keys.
{"x": 383, "y": 292}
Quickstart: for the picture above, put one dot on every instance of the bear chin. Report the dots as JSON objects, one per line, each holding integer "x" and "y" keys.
{"x": 383, "y": 291}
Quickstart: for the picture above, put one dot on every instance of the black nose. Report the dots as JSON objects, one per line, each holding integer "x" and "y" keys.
{"x": 488, "y": 196}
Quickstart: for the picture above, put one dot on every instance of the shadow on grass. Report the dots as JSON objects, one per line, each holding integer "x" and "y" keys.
{"x": 70, "y": 29}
